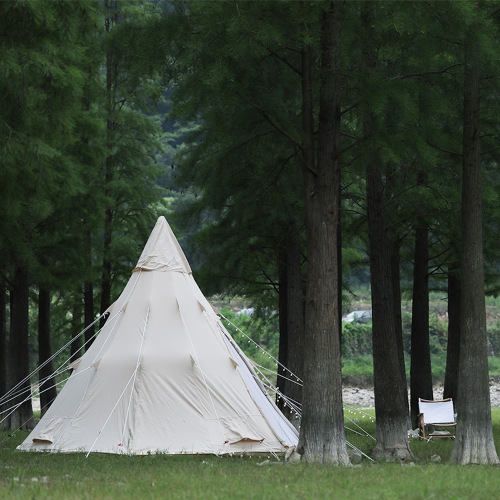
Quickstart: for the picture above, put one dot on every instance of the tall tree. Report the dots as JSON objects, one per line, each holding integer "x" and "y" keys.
{"x": 3, "y": 338}
{"x": 391, "y": 400}
{"x": 420, "y": 368}
{"x": 453, "y": 347}
{"x": 41, "y": 87}
{"x": 21, "y": 417}
{"x": 47, "y": 388}
{"x": 292, "y": 314}
{"x": 474, "y": 442}
{"x": 322, "y": 437}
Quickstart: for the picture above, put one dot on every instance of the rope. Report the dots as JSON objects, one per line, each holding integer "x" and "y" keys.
{"x": 201, "y": 371}
{"x": 281, "y": 365}
{"x": 28, "y": 377}
{"x": 110, "y": 414}
{"x": 138, "y": 363}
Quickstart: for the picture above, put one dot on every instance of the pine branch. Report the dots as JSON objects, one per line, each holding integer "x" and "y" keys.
{"x": 283, "y": 59}
{"x": 453, "y": 153}
{"x": 269, "y": 119}
{"x": 425, "y": 73}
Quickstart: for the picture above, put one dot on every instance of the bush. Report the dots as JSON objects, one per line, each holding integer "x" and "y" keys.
{"x": 358, "y": 371}
{"x": 494, "y": 339}
{"x": 356, "y": 339}
{"x": 248, "y": 331}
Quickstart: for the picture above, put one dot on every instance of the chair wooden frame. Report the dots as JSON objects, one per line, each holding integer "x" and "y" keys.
{"x": 436, "y": 413}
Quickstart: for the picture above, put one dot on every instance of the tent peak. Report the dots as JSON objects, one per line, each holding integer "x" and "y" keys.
{"x": 162, "y": 251}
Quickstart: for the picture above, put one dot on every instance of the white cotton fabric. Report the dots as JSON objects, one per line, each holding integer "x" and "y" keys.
{"x": 163, "y": 376}
{"x": 437, "y": 412}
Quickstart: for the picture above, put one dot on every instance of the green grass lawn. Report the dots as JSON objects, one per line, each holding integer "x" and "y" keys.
{"x": 54, "y": 476}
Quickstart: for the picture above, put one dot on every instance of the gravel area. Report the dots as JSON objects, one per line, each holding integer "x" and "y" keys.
{"x": 365, "y": 398}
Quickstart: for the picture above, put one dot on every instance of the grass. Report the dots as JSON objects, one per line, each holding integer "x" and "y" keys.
{"x": 72, "y": 476}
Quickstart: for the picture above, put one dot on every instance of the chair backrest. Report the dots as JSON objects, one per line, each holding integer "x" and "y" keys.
{"x": 437, "y": 412}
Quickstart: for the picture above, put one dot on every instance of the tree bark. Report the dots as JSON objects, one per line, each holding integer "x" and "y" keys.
{"x": 395, "y": 262}
{"x": 474, "y": 442}
{"x": 282, "y": 374}
{"x": 453, "y": 348}
{"x": 420, "y": 367}
{"x": 47, "y": 384}
{"x": 391, "y": 399}
{"x": 322, "y": 436}
{"x": 19, "y": 368}
{"x": 76, "y": 328}
{"x": 88, "y": 298}
{"x": 295, "y": 323}
{"x": 390, "y": 388}
{"x": 3, "y": 339}
{"x": 111, "y": 75}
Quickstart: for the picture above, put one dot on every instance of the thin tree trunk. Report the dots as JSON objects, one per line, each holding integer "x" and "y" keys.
{"x": 76, "y": 327}
{"x": 19, "y": 368}
{"x": 453, "y": 348}
{"x": 322, "y": 436}
{"x": 395, "y": 264}
{"x": 89, "y": 313}
{"x": 282, "y": 375}
{"x": 47, "y": 384}
{"x": 106, "y": 265}
{"x": 420, "y": 369}
{"x": 474, "y": 442}
{"x": 111, "y": 18}
{"x": 295, "y": 323}
{"x": 3, "y": 339}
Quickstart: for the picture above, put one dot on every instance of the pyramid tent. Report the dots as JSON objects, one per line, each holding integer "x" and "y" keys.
{"x": 163, "y": 375}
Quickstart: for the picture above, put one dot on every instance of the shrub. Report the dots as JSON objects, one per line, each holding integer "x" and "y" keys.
{"x": 356, "y": 339}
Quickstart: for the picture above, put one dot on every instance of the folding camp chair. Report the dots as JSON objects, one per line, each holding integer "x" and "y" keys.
{"x": 439, "y": 414}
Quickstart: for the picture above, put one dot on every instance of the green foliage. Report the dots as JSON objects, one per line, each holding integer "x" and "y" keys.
{"x": 257, "y": 335}
{"x": 242, "y": 89}
{"x": 356, "y": 339}
{"x": 41, "y": 81}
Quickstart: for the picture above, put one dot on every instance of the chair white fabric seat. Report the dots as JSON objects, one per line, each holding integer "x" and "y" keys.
{"x": 436, "y": 413}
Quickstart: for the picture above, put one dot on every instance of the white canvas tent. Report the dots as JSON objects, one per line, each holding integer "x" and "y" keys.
{"x": 163, "y": 376}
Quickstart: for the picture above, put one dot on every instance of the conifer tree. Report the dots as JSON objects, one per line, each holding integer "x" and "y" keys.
{"x": 474, "y": 442}
{"x": 41, "y": 83}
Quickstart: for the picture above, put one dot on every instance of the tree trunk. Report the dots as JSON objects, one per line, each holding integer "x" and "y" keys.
{"x": 295, "y": 323}
{"x": 282, "y": 374}
{"x": 111, "y": 18}
{"x": 106, "y": 265}
{"x": 453, "y": 348}
{"x": 395, "y": 262}
{"x": 47, "y": 384}
{"x": 3, "y": 339}
{"x": 76, "y": 328}
{"x": 19, "y": 367}
{"x": 420, "y": 368}
{"x": 391, "y": 398}
{"x": 390, "y": 389}
{"x": 322, "y": 436}
{"x": 88, "y": 298}
{"x": 474, "y": 442}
